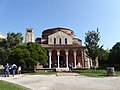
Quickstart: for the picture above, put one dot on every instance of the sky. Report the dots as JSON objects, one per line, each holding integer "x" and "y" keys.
{"x": 77, "y": 15}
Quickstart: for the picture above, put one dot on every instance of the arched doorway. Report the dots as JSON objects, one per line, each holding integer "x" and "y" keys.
{"x": 54, "y": 58}
{"x": 70, "y": 57}
{"x": 62, "y": 61}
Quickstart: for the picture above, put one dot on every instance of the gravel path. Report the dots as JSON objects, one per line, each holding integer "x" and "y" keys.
{"x": 53, "y": 82}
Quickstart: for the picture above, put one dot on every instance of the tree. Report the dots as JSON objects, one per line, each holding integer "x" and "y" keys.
{"x": 18, "y": 56}
{"x": 114, "y": 57}
{"x": 4, "y": 53}
{"x": 13, "y": 39}
{"x": 28, "y": 55}
{"x": 37, "y": 52}
{"x": 103, "y": 57}
{"x": 3, "y": 43}
{"x": 92, "y": 39}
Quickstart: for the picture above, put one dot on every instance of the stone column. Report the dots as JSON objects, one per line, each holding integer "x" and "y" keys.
{"x": 50, "y": 54}
{"x": 75, "y": 58}
{"x": 83, "y": 58}
{"x": 66, "y": 58}
{"x": 58, "y": 55}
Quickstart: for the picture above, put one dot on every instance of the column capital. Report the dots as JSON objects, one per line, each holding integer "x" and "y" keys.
{"x": 50, "y": 50}
{"x": 58, "y": 52}
{"x": 66, "y": 53}
{"x": 50, "y": 53}
{"x": 75, "y": 53}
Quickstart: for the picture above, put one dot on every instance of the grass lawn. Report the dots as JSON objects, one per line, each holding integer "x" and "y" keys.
{"x": 92, "y": 73}
{"x": 10, "y": 86}
{"x": 98, "y": 73}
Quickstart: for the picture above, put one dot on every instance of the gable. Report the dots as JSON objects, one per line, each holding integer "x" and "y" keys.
{"x": 59, "y": 35}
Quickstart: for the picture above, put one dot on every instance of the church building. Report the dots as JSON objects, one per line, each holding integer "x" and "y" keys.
{"x": 63, "y": 48}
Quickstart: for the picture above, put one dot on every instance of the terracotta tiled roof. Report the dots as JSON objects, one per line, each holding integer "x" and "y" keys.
{"x": 50, "y": 31}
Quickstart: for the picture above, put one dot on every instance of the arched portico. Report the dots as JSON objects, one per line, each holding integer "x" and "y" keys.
{"x": 59, "y": 58}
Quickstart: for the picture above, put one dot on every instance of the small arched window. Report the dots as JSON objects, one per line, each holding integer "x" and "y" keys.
{"x": 65, "y": 40}
{"x": 54, "y": 40}
{"x": 60, "y": 41}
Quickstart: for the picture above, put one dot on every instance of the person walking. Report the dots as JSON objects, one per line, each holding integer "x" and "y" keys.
{"x": 19, "y": 70}
{"x": 14, "y": 67}
{"x": 6, "y": 70}
{"x": 70, "y": 67}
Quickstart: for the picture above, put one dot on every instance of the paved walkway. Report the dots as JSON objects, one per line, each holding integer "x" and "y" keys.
{"x": 53, "y": 82}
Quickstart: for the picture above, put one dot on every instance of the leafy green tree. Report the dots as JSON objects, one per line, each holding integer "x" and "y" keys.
{"x": 3, "y": 43}
{"x": 37, "y": 52}
{"x": 17, "y": 55}
{"x": 103, "y": 56}
{"x": 3, "y": 56}
{"x": 92, "y": 39}
{"x": 13, "y": 39}
{"x": 28, "y": 55}
{"x": 114, "y": 57}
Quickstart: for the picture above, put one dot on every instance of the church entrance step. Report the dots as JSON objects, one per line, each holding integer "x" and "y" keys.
{"x": 62, "y": 69}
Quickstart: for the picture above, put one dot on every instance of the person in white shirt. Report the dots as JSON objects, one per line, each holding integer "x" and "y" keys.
{"x": 19, "y": 70}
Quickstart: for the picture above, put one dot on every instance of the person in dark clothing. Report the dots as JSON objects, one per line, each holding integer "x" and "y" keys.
{"x": 14, "y": 67}
{"x": 70, "y": 67}
{"x": 6, "y": 70}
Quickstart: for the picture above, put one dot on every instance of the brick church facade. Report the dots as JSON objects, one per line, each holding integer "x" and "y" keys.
{"x": 63, "y": 48}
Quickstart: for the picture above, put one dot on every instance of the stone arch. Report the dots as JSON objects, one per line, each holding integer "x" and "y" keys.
{"x": 62, "y": 61}
{"x": 70, "y": 56}
{"x": 54, "y": 58}
{"x": 60, "y": 41}
{"x": 65, "y": 40}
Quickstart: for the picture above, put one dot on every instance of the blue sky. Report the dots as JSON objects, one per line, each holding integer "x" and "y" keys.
{"x": 78, "y": 15}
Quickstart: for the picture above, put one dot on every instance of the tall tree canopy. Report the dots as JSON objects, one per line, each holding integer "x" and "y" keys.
{"x": 28, "y": 55}
{"x": 4, "y": 53}
{"x": 103, "y": 56}
{"x": 114, "y": 57}
{"x": 12, "y": 40}
{"x": 92, "y": 39}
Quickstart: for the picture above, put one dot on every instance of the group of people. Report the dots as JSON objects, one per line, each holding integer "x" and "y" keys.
{"x": 11, "y": 69}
